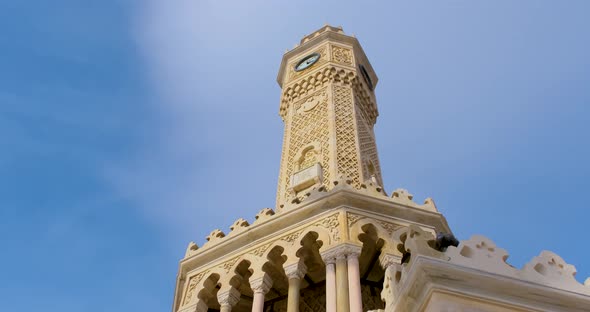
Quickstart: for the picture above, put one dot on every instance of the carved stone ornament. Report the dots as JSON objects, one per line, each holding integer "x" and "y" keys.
{"x": 331, "y": 223}
{"x": 353, "y": 218}
{"x": 342, "y": 55}
{"x": 228, "y": 297}
{"x": 261, "y": 284}
{"x": 291, "y": 237}
{"x": 341, "y": 251}
{"x": 296, "y": 270}
{"x": 192, "y": 285}
{"x": 306, "y": 105}
{"x": 258, "y": 252}
{"x": 229, "y": 264}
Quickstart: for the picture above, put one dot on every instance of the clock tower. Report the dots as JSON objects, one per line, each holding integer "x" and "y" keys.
{"x": 335, "y": 241}
{"x": 329, "y": 109}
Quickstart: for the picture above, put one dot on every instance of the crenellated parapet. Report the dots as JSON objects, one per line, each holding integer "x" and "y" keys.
{"x": 478, "y": 261}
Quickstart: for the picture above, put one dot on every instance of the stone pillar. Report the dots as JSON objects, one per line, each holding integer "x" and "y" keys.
{"x": 260, "y": 285}
{"x": 342, "y": 282}
{"x": 391, "y": 264}
{"x": 354, "y": 280}
{"x": 330, "y": 262}
{"x": 228, "y": 298}
{"x": 295, "y": 272}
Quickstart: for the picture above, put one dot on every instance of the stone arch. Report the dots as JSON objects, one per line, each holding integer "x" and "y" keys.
{"x": 286, "y": 247}
{"x": 255, "y": 263}
{"x": 204, "y": 294}
{"x": 323, "y": 236}
{"x": 363, "y": 225}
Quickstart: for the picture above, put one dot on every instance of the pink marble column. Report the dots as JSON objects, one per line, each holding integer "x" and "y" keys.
{"x": 330, "y": 282}
{"x": 354, "y": 281}
{"x": 295, "y": 272}
{"x": 342, "y": 283}
{"x": 260, "y": 286}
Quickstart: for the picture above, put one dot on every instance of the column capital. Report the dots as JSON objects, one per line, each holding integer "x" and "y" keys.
{"x": 228, "y": 297}
{"x": 341, "y": 251}
{"x": 387, "y": 260}
{"x": 261, "y": 284}
{"x": 296, "y": 270}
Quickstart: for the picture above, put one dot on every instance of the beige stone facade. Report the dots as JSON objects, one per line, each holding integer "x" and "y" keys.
{"x": 336, "y": 241}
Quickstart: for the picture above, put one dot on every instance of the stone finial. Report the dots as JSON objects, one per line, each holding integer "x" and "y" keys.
{"x": 191, "y": 249}
{"x": 215, "y": 236}
{"x": 264, "y": 215}
{"x": 550, "y": 268}
{"x": 429, "y": 204}
{"x": 480, "y": 252}
{"x": 403, "y": 195}
{"x": 238, "y": 226}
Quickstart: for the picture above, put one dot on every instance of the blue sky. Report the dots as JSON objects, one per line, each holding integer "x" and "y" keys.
{"x": 129, "y": 128}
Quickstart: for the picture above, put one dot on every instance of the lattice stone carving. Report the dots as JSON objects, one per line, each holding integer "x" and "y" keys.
{"x": 347, "y": 156}
{"x": 368, "y": 147}
{"x": 304, "y": 130}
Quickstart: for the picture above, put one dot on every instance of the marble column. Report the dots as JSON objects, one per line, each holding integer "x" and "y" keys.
{"x": 228, "y": 298}
{"x": 330, "y": 262}
{"x": 342, "y": 282}
{"x": 260, "y": 286}
{"x": 295, "y": 272}
{"x": 354, "y": 280}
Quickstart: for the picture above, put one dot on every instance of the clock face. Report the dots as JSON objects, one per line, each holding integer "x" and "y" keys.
{"x": 307, "y": 61}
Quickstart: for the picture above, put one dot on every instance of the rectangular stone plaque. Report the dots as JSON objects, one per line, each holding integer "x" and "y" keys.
{"x": 306, "y": 177}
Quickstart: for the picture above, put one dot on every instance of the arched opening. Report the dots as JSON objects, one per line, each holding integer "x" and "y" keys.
{"x": 371, "y": 273}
